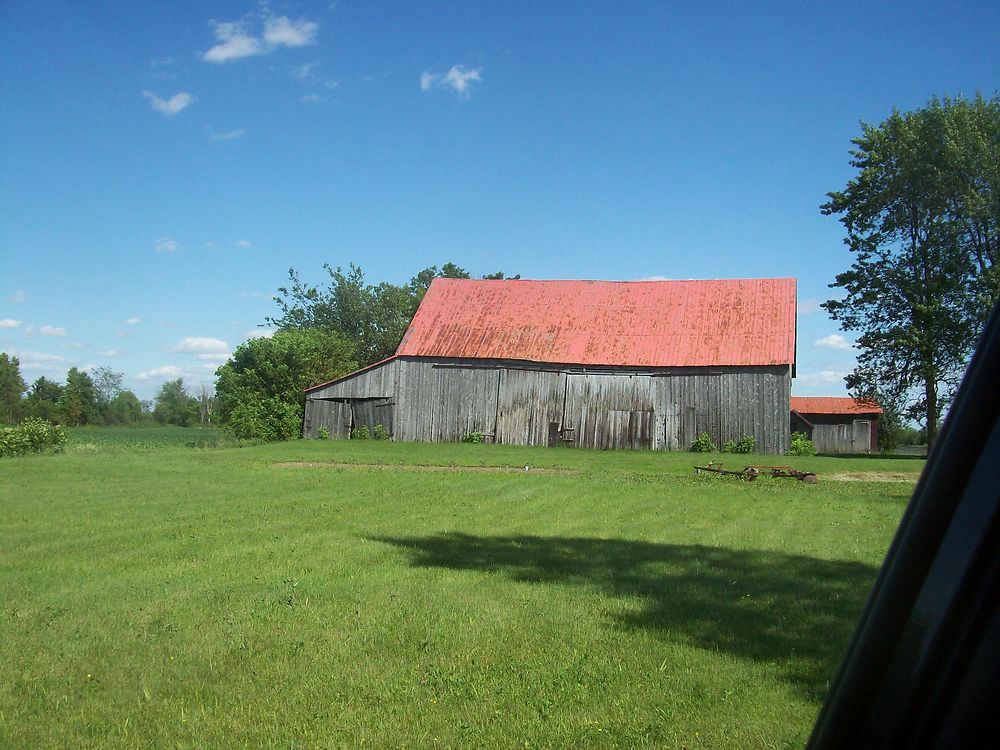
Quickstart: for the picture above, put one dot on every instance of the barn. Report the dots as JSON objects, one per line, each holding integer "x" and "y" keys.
{"x": 597, "y": 364}
{"x": 837, "y": 425}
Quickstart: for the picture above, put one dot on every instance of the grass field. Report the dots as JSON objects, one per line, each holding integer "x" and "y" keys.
{"x": 261, "y": 597}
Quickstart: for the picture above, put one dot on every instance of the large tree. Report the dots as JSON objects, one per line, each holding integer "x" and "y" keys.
{"x": 923, "y": 223}
{"x": 174, "y": 405}
{"x": 259, "y": 392}
{"x": 11, "y": 387}
{"x": 372, "y": 317}
{"x": 43, "y": 400}
{"x": 78, "y": 402}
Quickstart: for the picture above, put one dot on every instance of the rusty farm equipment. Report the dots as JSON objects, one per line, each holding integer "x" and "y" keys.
{"x": 750, "y": 473}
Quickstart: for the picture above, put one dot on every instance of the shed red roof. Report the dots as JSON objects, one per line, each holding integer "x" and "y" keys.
{"x": 831, "y": 405}
{"x": 615, "y": 323}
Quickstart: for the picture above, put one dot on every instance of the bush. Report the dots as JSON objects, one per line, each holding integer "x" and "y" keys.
{"x": 802, "y": 445}
{"x": 323, "y": 433}
{"x": 473, "y": 437}
{"x": 361, "y": 433}
{"x": 743, "y": 445}
{"x": 33, "y": 435}
{"x": 264, "y": 419}
{"x": 703, "y": 444}
{"x": 380, "y": 433}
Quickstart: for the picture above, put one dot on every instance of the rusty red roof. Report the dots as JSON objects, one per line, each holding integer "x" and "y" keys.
{"x": 832, "y": 405}
{"x": 614, "y": 323}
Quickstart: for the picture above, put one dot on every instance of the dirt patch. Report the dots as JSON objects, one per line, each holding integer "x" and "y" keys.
{"x": 873, "y": 476}
{"x": 410, "y": 467}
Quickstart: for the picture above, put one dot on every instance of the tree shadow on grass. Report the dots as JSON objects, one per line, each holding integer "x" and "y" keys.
{"x": 794, "y": 611}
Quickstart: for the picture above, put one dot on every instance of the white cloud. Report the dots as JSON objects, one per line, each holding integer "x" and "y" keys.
{"x": 73, "y": 345}
{"x": 311, "y": 99}
{"x": 29, "y": 330}
{"x": 166, "y": 245}
{"x": 194, "y": 345}
{"x": 282, "y": 31}
{"x": 171, "y": 106}
{"x": 809, "y": 306}
{"x": 305, "y": 71}
{"x": 111, "y": 353}
{"x": 10, "y": 323}
{"x": 36, "y": 361}
{"x": 167, "y": 372}
{"x": 229, "y": 135}
{"x": 457, "y": 78}
{"x": 18, "y": 296}
{"x": 237, "y": 42}
{"x": 132, "y": 321}
{"x": 833, "y": 341}
{"x": 48, "y": 330}
{"x": 243, "y": 243}
{"x": 816, "y": 378}
{"x": 261, "y": 333}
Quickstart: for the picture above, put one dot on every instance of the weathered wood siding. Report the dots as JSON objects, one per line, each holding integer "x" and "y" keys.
{"x": 854, "y": 436}
{"x": 441, "y": 401}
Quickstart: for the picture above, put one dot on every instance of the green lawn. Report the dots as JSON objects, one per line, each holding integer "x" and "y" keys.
{"x": 209, "y": 598}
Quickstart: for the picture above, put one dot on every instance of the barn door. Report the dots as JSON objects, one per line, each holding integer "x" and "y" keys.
{"x": 372, "y": 413}
{"x": 529, "y": 403}
{"x": 862, "y": 442}
{"x": 610, "y": 411}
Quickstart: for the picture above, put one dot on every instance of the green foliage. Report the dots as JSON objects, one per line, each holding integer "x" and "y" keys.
{"x": 78, "y": 402}
{"x": 802, "y": 445}
{"x": 743, "y": 445}
{"x": 124, "y": 409}
{"x": 371, "y": 317}
{"x": 174, "y": 405}
{"x": 323, "y": 433}
{"x": 267, "y": 419}
{"x": 380, "y": 433}
{"x": 473, "y": 437}
{"x": 264, "y": 372}
{"x": 11, "y": 387}
{"x": 43, "y": 400}
{"x": 33, "y": 435}
{"x": 703, "y": 444}
{"x": 360, "y": 432}
{"x": 922, "y": 217}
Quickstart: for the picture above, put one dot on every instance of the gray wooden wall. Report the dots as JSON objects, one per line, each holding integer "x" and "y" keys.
{"x": 442, "y": 401}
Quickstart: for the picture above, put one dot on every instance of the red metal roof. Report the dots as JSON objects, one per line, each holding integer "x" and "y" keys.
{"x": 832, "y": 405}
{"x": 614, "y": 323}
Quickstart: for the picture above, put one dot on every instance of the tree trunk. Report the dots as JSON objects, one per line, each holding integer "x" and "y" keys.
{"x": 930, "y": 392}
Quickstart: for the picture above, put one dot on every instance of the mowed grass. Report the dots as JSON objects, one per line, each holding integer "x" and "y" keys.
{"x": 209, "y": 598}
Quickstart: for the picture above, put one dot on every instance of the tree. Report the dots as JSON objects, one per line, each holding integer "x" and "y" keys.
{"x": 107, "y": 385}
{"x": 11, "y": 387}
{"x": 124, "y": 409}
{"x": 923, "y": 222}
{"x": 260, "y": 391}
{"x": 43, "y": 400}
{"x": 372, "y": 317}
{"x": 78, "y": 402}
{"x": 174, "y": 405}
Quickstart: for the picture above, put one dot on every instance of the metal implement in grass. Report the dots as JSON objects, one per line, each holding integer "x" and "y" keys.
{"x": 749, "y": 473}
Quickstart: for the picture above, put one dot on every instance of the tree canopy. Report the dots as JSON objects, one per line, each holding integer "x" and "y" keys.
{"x": 11, "y": 387}
{"x": 371, "y": 317}
{"x": 922, "y": 218}
{"x": 260, "y": 390}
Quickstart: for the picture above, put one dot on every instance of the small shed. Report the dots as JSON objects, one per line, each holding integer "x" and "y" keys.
{"x": 837, "y": 425}
{"x": 596, "y": 364}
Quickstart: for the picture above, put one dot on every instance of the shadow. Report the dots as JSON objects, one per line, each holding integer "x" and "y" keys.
{"x": 792, "y": 611}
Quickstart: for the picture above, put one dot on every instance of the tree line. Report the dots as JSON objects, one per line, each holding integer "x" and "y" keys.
{"x": 96, "y": 397}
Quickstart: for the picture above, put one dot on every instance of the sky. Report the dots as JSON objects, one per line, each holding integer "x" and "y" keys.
{"x": 163, "y": 164}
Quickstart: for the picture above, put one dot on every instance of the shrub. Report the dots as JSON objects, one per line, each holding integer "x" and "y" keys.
{"x": 802, "y": 445}
{"x": 380, "y": 433}
{"x": 264, "y": 419}
{"x": 703, "y": 444}
{"x": 360, "y": 433}
{"x": 473, "y": 437}
{"x": 743, "y": 445}
{"x": 323, "y": 433}
{"x": 33, "y": 435}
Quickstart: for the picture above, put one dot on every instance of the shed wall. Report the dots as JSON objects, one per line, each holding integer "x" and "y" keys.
{"x": 525, "y": 404}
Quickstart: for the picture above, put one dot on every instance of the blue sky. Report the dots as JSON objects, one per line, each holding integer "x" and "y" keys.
{"x": 162, "y": 164}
